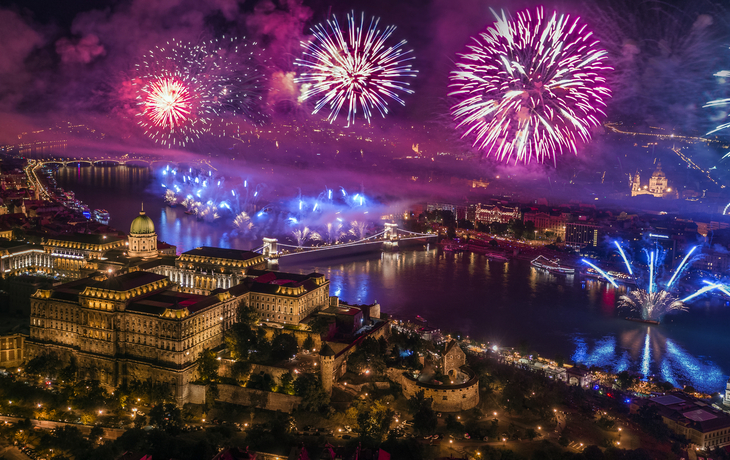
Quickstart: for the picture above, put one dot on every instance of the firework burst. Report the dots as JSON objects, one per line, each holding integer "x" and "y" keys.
{"x": 358, "y": 70}
{"x": 182, "y": 89}
{"x": 656, "y": 299}
{"x": 303, "y": 235}
{"x": 651, "y": 305}
{"x": 530, "y": 88}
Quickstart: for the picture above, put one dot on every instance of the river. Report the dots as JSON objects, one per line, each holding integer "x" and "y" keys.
{"x": 503, "y": 303}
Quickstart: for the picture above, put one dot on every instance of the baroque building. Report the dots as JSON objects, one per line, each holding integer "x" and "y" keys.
{"x": 142, "y": 237}
{"x": 141, "y": 325}
{"x": 154, "y": 317}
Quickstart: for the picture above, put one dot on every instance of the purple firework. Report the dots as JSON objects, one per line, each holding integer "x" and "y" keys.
{"x": 530, "y": 88}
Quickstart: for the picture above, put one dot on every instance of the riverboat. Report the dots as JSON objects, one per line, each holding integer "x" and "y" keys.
{"x": 619, "y": 277}
{"x": 552, "y": 266}
{"x": 639, "y": 320}
{"x": 101, "y": 216}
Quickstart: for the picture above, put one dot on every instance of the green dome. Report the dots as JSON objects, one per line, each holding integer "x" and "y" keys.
{"x": 142, "y": 224}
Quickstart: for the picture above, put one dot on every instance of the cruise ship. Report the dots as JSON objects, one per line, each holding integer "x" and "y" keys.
{"x": 553, "y": 266}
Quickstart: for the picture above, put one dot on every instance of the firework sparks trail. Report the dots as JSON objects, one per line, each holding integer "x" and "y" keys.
{"x": 358, "y": 70}
{"x": 183, "y": 88}
{"x": 303, "y": 235}
{"x": 655, "y": 302}
{"x": 530, "y": 88}
{"x": 724, "y": 74}
{"x": 358, "y": 228}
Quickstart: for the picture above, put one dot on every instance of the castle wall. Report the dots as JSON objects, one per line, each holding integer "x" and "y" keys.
{"x": 301, "y": 336}
{"x": 262, "y": 399}
{"x": 446, "y": 398}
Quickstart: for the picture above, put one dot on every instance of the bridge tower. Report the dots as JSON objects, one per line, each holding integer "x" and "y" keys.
{"x": 271, "y": 247}
{"x": 391, "y": 231}
{"x": 390, "y": 237}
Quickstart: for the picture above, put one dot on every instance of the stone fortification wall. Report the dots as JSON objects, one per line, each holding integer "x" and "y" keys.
{"x": 226, "y": 366}
{"x": 262, "y": 399}
{"x": 446, "y": 398}
{"x": 301, "y": 336}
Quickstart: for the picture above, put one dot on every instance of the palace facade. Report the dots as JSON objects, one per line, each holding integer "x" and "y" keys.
{"x": 154, "y": 316}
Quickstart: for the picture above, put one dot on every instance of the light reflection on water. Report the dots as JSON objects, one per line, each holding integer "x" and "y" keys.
{"x": 506, "y": 303}
{"x": 503, "y": 303}
{"x": 649, "y": 352}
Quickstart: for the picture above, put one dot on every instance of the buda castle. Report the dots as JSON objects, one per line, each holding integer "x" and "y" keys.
{"x": 132, "y": 311}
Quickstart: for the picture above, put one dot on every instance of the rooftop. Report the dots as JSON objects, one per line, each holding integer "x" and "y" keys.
{"x": 86, "y": 238}
{"x": 221, "y": 253}
{"x": 690, "y": 412}
{"x": 129, "y": 281}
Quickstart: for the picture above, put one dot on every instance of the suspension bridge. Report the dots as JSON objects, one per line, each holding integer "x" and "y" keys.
{"x": 391, "y": 238}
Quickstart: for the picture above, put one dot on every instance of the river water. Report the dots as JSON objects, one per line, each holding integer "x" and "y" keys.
{"x": 503, "y": 303}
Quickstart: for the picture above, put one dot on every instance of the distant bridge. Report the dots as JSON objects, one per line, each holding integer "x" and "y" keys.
{"x": 117, "y": 160}
{"x": 34, "y": 164}
{"x": 387, "y": 239}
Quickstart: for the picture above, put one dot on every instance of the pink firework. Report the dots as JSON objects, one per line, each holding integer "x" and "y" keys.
{"x": 530, "y": 88}
{"x": 168, "y": 103}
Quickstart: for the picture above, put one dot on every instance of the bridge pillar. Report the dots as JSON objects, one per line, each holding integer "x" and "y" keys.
{"x": 391, "y": 231}
{"x": 271, "y": 247}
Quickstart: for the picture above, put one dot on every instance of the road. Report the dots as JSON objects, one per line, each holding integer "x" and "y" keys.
{"x": 12, "y": 453}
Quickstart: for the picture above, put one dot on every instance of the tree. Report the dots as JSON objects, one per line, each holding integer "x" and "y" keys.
{"x": 208, "y": 365}
{"x": 530, "y": 434}
{"x": 453, "y": 425}
{"x": 284, "y": 346}
{"x": 320, "y": 325}
{"x": 68, "y": 373}
{"x": 466, "y": 224}
{"x": 308, "y": 343}
{"x": 286, "y": 385}
{"x": 558, "y": 240}
{"x": 261, "y": 381}
{"x": 450, "y": 233}
{"x": 167, "y": 417}
{"x": 372, "y": 420}
{"x": 560, "y": 360}
{"x": 424, "y": 417}
{"x": 309, "y": 387}
{"x": 624, "y": 380}
{"x": 97, "y": 431}
{"x": 241, "y": 339}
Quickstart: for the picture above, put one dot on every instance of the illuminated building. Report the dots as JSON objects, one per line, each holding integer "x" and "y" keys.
{"x": 704, "y": 426}
{"x": 140, "y": 325}
{"x": 581, "y": 234}
{"x": 486, "y": 214}
{"x": 142, "y": 237}
{"x": 202, "y": 270}
{"x": 154, "y": 320}
{"x": 554, "y": 222}
{"x": 658, "y": 184}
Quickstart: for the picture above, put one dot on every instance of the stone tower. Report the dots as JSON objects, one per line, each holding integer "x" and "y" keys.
{"x": 327, "y": 367}
{"x": 726, "y": 401}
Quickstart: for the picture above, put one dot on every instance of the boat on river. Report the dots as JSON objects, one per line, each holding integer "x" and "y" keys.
{"x": 619, "y": 277}
{"x": 552, "y": 266}
{"x": 101, "y": 216}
